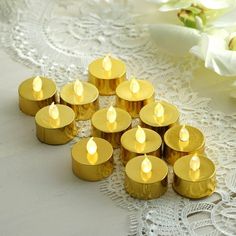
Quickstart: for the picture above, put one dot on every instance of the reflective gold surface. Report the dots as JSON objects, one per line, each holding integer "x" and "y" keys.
{"x": 58, "y": 131}
{"x": 159, "y": 124}
{"x": 84, "y": 106}
{"x": 92, "y": 168}
{"x": 111, "y": 131}
{"x": 194, "y": 184}
{"x": 130, "y": 148}
{"x": 146, "y": 185}
{"x": 30, "y": 101}
{"x": 107, "y": 81}
{"x": 131, "y": 102}
{"x": 174, "y": 148}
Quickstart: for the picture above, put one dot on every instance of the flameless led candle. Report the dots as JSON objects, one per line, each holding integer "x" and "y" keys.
{"x": 82, "y": 97}
{"x": 110, "y": 124}
{"x": 106, "y": 74}
{"x": 134, "y": 94}
{"x": 194, "y": 176}
{"x": 138, "y": 141}
{"x": 181, "y": 141}
{"x": 159, "y": 116}
{"x": 36, "y": 93}
{"x": 55, "y": 124}
{"x": 146, "y": 177}
{"x": 92, "y": 159}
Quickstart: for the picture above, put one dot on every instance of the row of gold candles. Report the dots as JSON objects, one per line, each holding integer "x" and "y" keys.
{"x": 158, "y": 136}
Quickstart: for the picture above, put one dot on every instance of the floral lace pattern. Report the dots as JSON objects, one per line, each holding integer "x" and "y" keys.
{"x": 61, "y": 38}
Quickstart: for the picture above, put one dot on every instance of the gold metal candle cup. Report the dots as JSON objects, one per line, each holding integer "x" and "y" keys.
{"x": 159, "y": 124}
{"x": 194, "y": 184}
{"x": 112, "y": 132}
{"x": 146, "y": 185}
{"x": 107, "y": 81}
{"x": 131, "y": 102}
{"x": 130, "y": 147}
{"x": 30, "y": 102}
{"x": 84, "y": 106}
{"x": 59, "y": 131}
{"x": 174, "y": 148}
{"x": 89, "y": 168}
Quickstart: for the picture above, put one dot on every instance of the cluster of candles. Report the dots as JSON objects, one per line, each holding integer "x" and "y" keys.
{"x": 145, "y": 149}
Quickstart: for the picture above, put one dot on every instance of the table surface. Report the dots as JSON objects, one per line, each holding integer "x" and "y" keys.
{"x": 38, "y": 191}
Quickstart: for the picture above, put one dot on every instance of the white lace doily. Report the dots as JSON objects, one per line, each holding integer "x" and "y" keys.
{"x": 60, "y": 38}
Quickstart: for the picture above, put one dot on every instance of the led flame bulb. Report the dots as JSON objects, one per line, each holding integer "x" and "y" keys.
{"x": 53, "y": 111}
{"x": 111, "y": 114}
{"x": 37, "y": 84}
{"x": 146, "y": 165}
{"x": 91, "y": 146}
{"x": 78, "y": 88}
{"x": 106, "y": 63}
{"x": 184, "y": 134}
{"x": 159, "y": 110}
{"x": 140, "y": 135}
{"x": 194, "y": 163}
{"x": 134, "y": 85}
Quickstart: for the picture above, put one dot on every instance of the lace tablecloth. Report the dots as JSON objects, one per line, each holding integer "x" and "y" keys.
{"x": 60, "y": 38}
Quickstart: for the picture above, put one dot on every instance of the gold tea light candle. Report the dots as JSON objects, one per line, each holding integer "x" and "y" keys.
{"x": 106, "y": 74}
{"x": 134, "y": 94}
{"x": 36, "y": 93}
{"x": 159, "y": 116}
{"x": 82, "y": 97}
{"x": 92, "y": 159}
{"x": 110, "y": 124}
{"x": 181, "y": 141}
{"x": 138, "y": 141}
{"x": 146, "y": 177}
{"x": 194, "y": 176}
{"x": 55, "y": 124}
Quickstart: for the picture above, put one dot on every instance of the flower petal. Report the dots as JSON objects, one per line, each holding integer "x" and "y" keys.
{"x": 200, "y": 50}
{"x": 159, "y": 1}
{"x": 213, "y": 50}
{"x": 173, "y": 38}
{"x": 215, "y": 4}
{"x": 227, "y": 20}
{"x": 223, "y": 62}
{"x": 175, "y": 5}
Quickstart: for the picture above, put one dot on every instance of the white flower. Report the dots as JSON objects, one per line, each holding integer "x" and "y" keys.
{"x": 214, "y": 50}
{"x": 171, "y": 5}
{"x": 213, "y": 41}
{"x": 217, "y": 47}
{"x": 217, "y": 50}
{"x": 176, "y": 39}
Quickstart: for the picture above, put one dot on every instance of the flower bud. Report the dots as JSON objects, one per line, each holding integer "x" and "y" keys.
{"x": 193, "y": 17}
